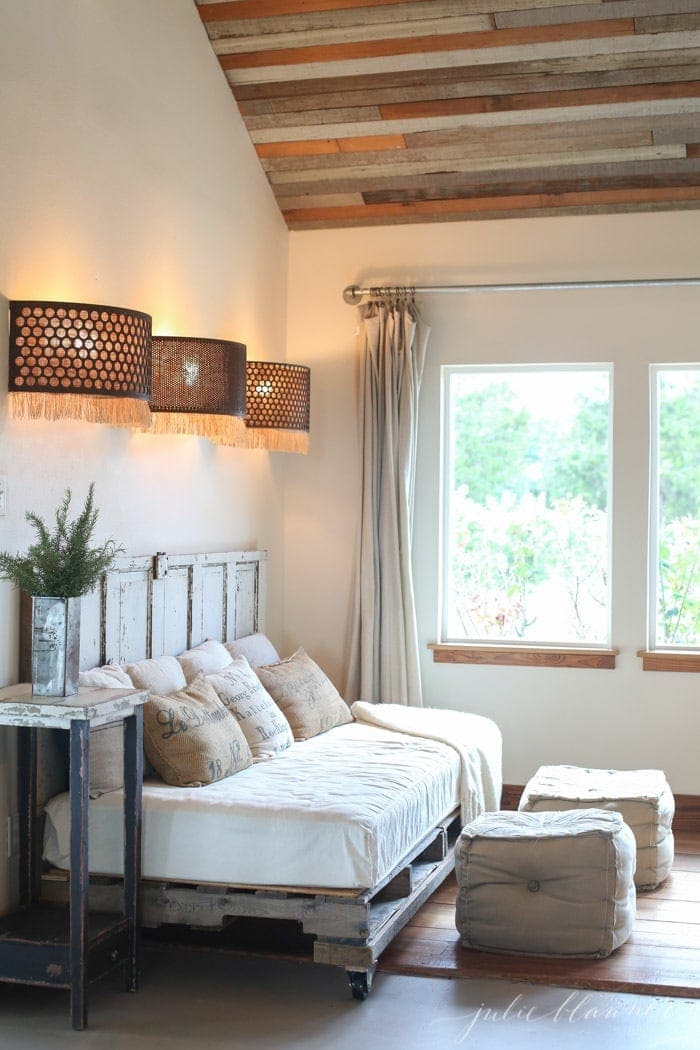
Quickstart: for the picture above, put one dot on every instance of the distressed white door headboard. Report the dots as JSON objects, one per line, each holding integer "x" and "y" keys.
{"x": 161, "y": 605}
{"x": 154, "y": 606}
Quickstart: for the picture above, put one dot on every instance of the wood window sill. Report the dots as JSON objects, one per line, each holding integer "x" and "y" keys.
{"x": 522, "y": 656}
{"x": 658, "y": 660}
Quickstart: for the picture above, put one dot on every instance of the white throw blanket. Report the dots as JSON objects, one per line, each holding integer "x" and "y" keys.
{"x": 476, "y": 740}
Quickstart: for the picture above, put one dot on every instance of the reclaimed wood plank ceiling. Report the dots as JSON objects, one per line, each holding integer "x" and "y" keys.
{"x": 391, "y": 111}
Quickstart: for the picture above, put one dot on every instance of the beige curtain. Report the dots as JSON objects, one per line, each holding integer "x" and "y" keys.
{"x": 384, "y": 661}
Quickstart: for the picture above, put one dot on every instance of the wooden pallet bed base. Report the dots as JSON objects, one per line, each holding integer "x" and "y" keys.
{"x": 350, "y": 929}
{"x": 162, "y": 604}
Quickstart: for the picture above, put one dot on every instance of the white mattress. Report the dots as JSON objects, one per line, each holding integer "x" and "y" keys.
{"x": 338, "y": 811}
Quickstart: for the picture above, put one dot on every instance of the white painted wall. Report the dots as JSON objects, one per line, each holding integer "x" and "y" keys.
{"x": 620, "y": 718}
{"x": 127, "y": 178}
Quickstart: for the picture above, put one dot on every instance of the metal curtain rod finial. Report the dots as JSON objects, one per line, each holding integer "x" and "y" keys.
{"x": 354, "y": 294}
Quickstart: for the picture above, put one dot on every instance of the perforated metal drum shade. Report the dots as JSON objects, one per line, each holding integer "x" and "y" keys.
{"x": 199, "y": 388}
{"x": 278, "y": 404}
{"x": 198, "y": 375}
{"x": 79, "y": 360}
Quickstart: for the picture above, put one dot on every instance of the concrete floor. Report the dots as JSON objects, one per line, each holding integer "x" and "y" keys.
{"x": 209, "y": 1001}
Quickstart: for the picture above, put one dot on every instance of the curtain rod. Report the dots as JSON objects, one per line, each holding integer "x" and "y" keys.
{"x": 354, "y": 294}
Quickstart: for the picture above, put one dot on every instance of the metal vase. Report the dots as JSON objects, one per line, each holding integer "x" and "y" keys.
{"x": 55, "y": 646}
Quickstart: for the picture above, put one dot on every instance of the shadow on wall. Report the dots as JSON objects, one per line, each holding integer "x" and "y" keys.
{"x": 4, "y": 363}
{"x": 9, "y": 597}
{"x": 322, "y": 499}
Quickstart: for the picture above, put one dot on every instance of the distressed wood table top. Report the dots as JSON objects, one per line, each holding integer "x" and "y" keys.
{"x": 97, "y": 706}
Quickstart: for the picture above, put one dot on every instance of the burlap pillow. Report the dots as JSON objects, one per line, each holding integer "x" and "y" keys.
{"x": 106, "y": 759}
{"x": 257, "y": 649}
{"x": 109, "y": 676}
{"x": 106, "y": 742}
{"x": 190, "y": 737}
{"x": 210, "y": 657}
{"x": 162, "y": 674}
{"x": 265, "y": 728}
{"x": 306, "y": 696}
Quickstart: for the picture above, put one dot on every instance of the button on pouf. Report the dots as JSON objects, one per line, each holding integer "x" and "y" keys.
{"x": 641, "y": 796}
{"x": 555, "y": 884}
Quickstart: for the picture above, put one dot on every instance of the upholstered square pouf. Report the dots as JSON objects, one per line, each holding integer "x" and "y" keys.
{"x": 558, "y": 884}
{"x": 642, "y": 796}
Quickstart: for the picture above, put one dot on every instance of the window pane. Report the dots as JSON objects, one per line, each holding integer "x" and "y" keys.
{"x": 677, "y": 507}
{"x": 526, "y": 485}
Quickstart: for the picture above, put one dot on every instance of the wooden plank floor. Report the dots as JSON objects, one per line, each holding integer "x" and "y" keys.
{"x": 661, "y": 958}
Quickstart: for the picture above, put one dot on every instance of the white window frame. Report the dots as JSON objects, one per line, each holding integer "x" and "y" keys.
{"x": 653, "y": 552}
{"x": 446, "y": 466}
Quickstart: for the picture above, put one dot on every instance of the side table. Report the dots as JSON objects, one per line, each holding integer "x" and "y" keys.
{"x": 46, "y": 944}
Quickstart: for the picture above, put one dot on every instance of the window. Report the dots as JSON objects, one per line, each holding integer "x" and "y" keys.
{"x": 675, "y": 508}
{"x": 526, "y": 488}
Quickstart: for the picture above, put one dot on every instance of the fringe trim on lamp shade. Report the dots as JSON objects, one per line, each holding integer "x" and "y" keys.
{"x": 277, "y": 440}
{"x": 79, "y": 361}
{"x": 115, "y": 411}
{"x": 221, "y": 430}
{"x": 278, "y": 396}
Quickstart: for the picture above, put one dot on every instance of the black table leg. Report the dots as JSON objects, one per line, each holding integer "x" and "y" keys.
{"x": 133, "y": 778}
{"x": 79, "y": 796}
{"x": 27, "y": 744}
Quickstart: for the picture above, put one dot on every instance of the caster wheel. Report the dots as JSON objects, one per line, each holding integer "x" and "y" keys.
{"x": 360, "y": 983}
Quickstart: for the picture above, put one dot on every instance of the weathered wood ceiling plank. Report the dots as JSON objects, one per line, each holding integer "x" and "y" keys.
{"x": 430, "y": 211}
{"x": 434, "y": 18}
{"x": 273, "y": 42}
{"x": 241, "y": 21}
{"x": 652, "y": 160}
{"x": 540, "y": 169}
{"x": 308, "y": 21}
{"x": 415, "y": 46}
{"x": 531, "y": 100}
{"x": 665, "y": 132}
{"x": 332, "y": 200}
{"x": 647, "y": 59}
{"x": 214, "y": 11}
{"x": 464, "y": 106}
{"x": 667, "y": 24}
{"x": 316, "y": 147}
{"x": 366, "y": 112}
{"x": 485, "y": 173}
{"x": 526, "y": 12}
{"x": 551, "y": 114}
{"x": 485, "y": 147}
{"x": 406, "y": 218}
{"x": 556, "y": 183}
{"x": 474, "y": 88}
{"x": 603, "y": 43}
{"x": 637, "y": 9}
{"x": 593, "y": 126}
{"x": 486, "y": 144}
{"x": 649, "y": 16}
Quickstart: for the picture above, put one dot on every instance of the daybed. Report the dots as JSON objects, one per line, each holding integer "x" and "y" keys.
{"x": 347, "y": 833}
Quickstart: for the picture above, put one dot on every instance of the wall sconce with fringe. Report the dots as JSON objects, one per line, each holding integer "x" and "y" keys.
{"x": 79, "y": 361}
{"x": 278, "y": 405}
{"x": 199, "y": 387}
